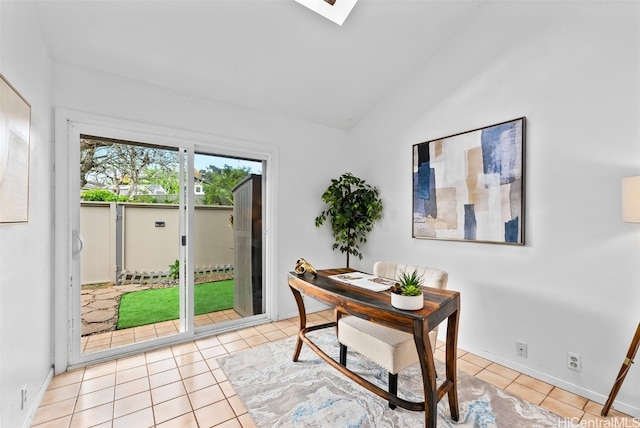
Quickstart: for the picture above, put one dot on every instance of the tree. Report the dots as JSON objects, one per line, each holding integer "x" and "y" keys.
{"x": 110, "y": 163}
{"x": 107, "y": 163}
{"x": 354, "y": 207}
{"x": 169, "y": 179}
{"x": 219, "y": 183}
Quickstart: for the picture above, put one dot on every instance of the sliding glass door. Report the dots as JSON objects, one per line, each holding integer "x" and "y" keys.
{"x": 165, "y": 241}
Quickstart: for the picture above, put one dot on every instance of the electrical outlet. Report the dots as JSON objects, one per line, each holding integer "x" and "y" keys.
{"x": 574, "y": 361}
{"x": 521, "y": 349}
{"x": 23, "y": 397}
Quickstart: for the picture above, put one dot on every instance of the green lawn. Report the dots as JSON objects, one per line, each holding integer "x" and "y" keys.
{"x": 162, "y": 304}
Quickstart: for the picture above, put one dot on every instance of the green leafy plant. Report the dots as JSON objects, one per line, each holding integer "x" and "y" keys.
{"x": 354, "y": 206}
{"x": 174, "y": 270}
{"x": 409, "y": 284}
{"x": 219, "y": 183}
{"x": 102, "y": 195}
{"x": 146, "y": 199}
{"x": 411, "y": 290}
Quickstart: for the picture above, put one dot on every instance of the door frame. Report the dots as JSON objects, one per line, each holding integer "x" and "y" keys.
{"x": 69, "y": 125}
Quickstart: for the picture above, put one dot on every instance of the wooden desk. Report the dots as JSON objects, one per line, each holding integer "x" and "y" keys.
{"x": 376, "y": 306}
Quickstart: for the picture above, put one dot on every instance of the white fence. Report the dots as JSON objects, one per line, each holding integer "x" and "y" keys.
{"x": 164, "y": 277}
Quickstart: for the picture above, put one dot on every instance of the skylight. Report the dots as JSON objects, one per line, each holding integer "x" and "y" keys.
{"x": 334, "y": 10}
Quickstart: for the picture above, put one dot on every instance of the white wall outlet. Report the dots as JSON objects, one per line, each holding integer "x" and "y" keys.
{"x": 574, "y": 361}
{"x": 23, "y": 397}
{"x": 521, "y": 349}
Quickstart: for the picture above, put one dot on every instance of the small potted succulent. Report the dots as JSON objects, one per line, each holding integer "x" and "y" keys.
{"x": 407, "y": 293}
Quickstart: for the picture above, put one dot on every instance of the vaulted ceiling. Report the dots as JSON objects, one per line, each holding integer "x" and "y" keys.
{"x": 274, "y": 56}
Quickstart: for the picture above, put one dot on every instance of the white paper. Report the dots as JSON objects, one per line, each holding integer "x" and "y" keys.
{"x": 364, "y": 280}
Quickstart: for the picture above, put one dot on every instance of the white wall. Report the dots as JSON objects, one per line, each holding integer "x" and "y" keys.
{"x": 572, "y": 68}
{"x": 25, "y": 248}
{"x": 307, "y": 154}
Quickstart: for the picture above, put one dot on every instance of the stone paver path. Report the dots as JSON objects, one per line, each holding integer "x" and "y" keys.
{"x": 99, "y": 307}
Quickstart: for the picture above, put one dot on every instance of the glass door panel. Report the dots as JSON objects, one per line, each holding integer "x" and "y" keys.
{"x": 227, "y": 239}
{"x": 131, "y": 234}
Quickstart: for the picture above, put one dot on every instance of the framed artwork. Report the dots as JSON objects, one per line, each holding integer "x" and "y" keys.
{"x": 15, "y": 123}
{"x": 470, "y": 186}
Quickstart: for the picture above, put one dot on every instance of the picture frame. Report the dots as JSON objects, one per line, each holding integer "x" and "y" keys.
{"x": 470, "y": 186}
{"x": 15, "y": 126}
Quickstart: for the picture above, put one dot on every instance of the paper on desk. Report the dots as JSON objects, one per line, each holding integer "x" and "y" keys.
{"x": 364, "y": 280}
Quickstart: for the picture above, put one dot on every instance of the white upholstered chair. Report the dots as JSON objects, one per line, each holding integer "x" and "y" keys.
{"x": 392, "y": 349}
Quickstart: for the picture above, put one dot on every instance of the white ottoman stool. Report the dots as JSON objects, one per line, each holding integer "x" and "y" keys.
{"x": 391, "y": 349}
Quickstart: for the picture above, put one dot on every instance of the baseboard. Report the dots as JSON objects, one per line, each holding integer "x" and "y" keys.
{"x": 35, "y": 405}
{"x": 309, "y": 308}
{"x": 576, "y": 389}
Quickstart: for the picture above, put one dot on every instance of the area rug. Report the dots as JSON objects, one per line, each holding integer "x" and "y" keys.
{"x": 309, "y": 393}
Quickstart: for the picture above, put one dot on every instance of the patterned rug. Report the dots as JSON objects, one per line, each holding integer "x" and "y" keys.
{"x": 310, "y": 393}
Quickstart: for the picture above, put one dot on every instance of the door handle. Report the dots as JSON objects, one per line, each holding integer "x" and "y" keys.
{"x": 77, "y": 244}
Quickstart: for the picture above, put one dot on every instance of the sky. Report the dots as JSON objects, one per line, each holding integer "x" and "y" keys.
{"x": 201, "y": 161}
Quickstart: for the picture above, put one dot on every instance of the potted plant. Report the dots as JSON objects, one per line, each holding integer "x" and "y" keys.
{"x": 407, "y": 293}
{"x": 354, "y": 206}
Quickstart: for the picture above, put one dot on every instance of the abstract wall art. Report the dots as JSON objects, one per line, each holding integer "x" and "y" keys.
{"x": 15, "y": 123}
{"x": 470, "y": 186}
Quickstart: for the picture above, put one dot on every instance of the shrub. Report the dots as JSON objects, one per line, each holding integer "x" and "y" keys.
{"x": 174, "y": 270}
{"x": 102, "y": 195}
{"x": 147, "y": 199}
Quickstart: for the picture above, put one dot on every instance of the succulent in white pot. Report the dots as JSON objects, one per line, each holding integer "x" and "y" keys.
{"x": 407, "y": 293}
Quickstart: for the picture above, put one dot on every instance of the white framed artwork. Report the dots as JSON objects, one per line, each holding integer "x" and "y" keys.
{"x": 15, "y": 123}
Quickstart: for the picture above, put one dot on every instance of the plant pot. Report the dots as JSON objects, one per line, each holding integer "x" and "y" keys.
{"x": 410, "y": 303}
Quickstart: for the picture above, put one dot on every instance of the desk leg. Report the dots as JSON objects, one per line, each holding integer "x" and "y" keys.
{"x": 303, "y": 321}
{"x": 451, "y": 351}
{"x": 428, "y": 368}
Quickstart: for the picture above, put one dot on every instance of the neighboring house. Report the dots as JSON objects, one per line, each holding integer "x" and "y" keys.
{"x": 198, "y": 189}
{"x": 198, "y": 185}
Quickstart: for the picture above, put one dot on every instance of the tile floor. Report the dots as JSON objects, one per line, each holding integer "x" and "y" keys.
{"x": 112, "y": 339}
{"x": 183, "y": 386}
